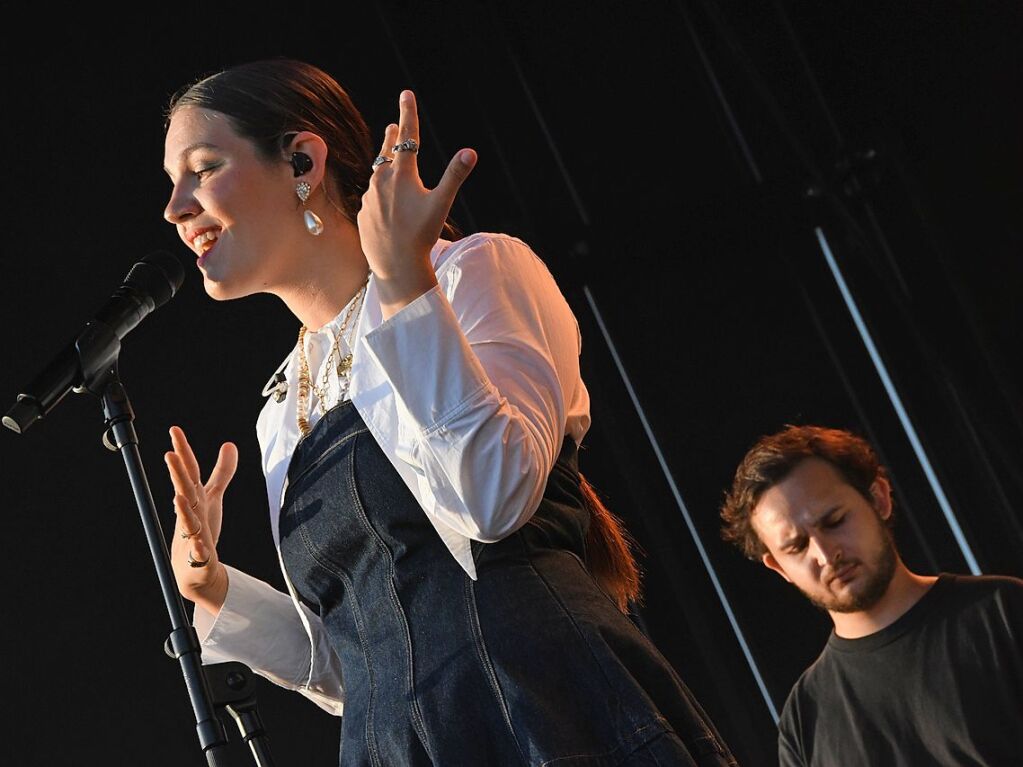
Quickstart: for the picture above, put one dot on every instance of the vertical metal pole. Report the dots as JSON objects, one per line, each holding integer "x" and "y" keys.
{"x": 722, "y": 597}
{"x": 893, "y": 395}
{"x": 591, "y": 300}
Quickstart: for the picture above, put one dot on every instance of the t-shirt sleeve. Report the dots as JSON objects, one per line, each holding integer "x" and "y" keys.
{"x": 790, "y": 742}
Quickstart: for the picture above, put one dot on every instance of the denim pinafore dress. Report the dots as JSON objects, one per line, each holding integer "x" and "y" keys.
{"x": 531, "y": 664}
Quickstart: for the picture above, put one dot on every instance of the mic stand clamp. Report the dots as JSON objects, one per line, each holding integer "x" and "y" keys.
{"x": 232, "y": 686}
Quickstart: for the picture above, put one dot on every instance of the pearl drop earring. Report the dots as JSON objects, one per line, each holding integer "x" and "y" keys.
{"x": 313, "y": 224}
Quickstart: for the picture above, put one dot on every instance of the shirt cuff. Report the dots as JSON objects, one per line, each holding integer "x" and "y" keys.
{"x": 232, "y": 634}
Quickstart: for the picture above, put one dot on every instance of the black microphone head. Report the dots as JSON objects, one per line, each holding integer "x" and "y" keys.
{"x": 158, "y": 276}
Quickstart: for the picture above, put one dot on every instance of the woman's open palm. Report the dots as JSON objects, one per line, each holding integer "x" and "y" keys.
{"x": 199, "y": 508}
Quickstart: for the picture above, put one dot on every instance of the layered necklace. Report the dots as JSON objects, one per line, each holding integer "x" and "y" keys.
{"x": 337, "y": 363}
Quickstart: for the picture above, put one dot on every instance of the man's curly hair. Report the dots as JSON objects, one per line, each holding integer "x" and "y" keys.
{"x": 774, "y": 456}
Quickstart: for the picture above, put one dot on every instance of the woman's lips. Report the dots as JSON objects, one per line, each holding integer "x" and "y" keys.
{"x": 201, "y": 260}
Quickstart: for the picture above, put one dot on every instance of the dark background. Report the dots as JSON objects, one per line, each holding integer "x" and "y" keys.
{"x": 673, "y": 162}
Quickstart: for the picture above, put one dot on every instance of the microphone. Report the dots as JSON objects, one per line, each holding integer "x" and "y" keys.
{"x": 149, "y": 284}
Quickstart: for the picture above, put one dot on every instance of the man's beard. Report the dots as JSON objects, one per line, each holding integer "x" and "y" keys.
{"x": 878, "y": 572}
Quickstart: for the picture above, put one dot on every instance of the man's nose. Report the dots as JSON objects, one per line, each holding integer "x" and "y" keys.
{"x": 825, "y": 552}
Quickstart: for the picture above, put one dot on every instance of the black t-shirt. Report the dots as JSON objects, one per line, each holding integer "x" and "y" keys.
{"x": 942, "y": 685}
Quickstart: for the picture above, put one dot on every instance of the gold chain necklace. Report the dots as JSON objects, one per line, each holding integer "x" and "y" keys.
{"x": 342, "y": 366}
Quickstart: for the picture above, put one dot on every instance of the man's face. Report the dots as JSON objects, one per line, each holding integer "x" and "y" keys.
{"x": 826, "y": 539}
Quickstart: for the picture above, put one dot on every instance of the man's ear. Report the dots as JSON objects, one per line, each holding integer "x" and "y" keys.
{"x": 772, "y": 564}
{"x": 881, "y": 496}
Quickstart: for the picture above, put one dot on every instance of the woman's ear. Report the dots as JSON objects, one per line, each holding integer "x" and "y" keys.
{"x": 306, "y": 154}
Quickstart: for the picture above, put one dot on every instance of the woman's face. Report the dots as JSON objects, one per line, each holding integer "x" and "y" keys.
{"x": 234, "y": 209}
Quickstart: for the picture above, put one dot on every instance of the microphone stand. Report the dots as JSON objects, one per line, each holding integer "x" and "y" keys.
{"x": 229, "y": 685}
{"x": 89, "y": 365}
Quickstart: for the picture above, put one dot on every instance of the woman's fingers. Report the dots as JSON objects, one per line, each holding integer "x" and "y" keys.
{"x": 184, "y": 468}
{"x": 189, "y": 523}
{"x": 401, "y": 219}
{"x": 386, "y": 149}
{"x": 197, "y": 569}
{"x": 195, "y": 539}
{"x": 455, "y": 174}
{"x": 407, "y": 143}
{"x": 200, "y": 504}
{"x": 189, "y": 509}
{"x": 184, "y": 485}
{"x": 223, "y": 472}
{"x": 180, "y": 444}
{"x": 198, "y": 512}
{"x": 193, "y": 543}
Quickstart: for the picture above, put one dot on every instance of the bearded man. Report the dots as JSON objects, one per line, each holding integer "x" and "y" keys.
{"x": 919, "y": 669}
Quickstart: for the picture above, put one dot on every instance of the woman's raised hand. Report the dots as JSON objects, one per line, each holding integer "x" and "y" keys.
{"x": 401, "y": 219}
{"x": 200, "y": 576}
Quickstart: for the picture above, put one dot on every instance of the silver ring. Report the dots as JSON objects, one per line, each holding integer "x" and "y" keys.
{"x": 192, "y": 562}
{"x": 408, "y": 145}
{"x": 380, "y": 160}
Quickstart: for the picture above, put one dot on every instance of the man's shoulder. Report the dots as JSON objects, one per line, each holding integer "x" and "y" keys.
{"x": 802, "y": 709}
{"x": 984, "y": 590}
{"x": 986, "y": 583}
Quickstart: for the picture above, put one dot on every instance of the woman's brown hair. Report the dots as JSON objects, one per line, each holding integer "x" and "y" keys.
{"x": 609, "y": 551}
{"x": 270, "y": 99}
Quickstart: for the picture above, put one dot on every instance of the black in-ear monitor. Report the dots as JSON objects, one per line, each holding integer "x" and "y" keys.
{"x": 301, "y": 162}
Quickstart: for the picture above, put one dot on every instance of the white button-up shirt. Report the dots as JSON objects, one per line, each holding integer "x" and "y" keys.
{"x": 470, "y": 391}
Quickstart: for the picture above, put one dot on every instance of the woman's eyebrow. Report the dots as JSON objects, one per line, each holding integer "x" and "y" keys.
{"x": 191, "y": 148}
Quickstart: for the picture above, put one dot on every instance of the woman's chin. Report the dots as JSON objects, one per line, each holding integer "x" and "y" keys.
{"x": 221, "y": 291}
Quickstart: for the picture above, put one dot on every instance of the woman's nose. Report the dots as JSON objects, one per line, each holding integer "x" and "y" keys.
{"x": 181, "y": 206}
